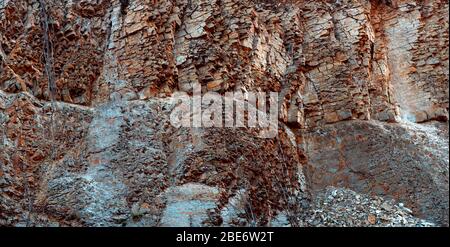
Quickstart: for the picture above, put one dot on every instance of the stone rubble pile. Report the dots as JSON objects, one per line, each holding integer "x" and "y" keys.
{"x": 363, "y": 95}
{"x": 338, "y": 207}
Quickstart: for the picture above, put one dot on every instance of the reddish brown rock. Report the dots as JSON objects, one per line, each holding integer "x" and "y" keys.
{"x": 363, "y": 101}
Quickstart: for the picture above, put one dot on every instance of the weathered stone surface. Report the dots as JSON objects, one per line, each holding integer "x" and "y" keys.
{"x": 126, "y": 155}
{"x": 345, "y": 208}
{"x": 364, "y": 104}
{"x": 407, "y": 162}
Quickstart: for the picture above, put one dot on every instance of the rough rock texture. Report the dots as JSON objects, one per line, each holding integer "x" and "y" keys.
{"x": 85, "y": 137}
{"x": 405, "y": 162}
{"x": 343, "y": 207}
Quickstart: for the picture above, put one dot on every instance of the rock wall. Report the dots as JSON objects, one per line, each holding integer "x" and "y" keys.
{"x": 363, "y": 101}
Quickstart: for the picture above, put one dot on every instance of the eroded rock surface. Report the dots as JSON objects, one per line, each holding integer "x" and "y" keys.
{"x": 363, "y": 95}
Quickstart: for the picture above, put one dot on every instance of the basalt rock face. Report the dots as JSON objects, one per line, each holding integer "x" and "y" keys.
{"x": 363, "y": 98}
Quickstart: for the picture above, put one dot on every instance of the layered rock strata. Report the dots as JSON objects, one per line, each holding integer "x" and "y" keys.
{"x": 363, "y": 96}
